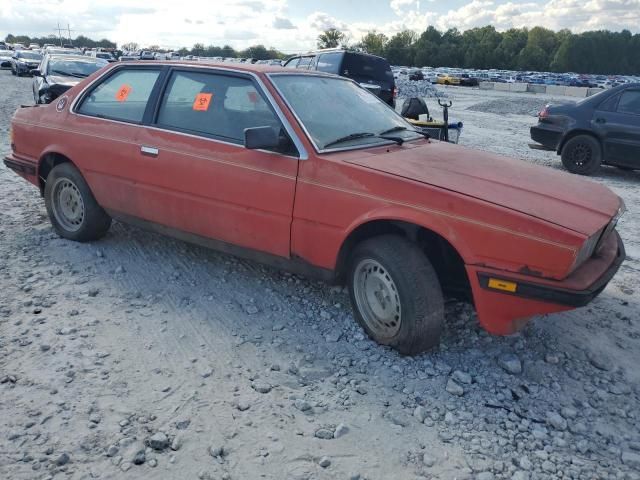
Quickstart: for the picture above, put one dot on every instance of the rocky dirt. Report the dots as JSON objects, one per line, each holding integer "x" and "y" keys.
{"x": 142, "y": 357}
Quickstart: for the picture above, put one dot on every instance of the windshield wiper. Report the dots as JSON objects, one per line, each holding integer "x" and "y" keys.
{"x": 69, "y": 74}
{"x": 61, "y": 72}
{"x": 397, "y": 128}
{"x": 354, "y": 136}
{"x": 351, "y": 136}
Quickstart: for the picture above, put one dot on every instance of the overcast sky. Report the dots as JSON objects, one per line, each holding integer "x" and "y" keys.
{"x": 294, "y": 25}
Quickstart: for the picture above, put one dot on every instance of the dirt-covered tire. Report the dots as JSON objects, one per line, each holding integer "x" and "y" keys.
{"x": 395, "y": 294}
{"x": 582, "y": 155}
{"x": 72, "y": 208}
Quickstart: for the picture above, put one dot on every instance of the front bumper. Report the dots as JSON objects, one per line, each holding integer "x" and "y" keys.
{"x": 560, "y": 295}
{"x": 504, "y": 311}
{"x": 26, "y": 68}
{"x": 546, "y": 136}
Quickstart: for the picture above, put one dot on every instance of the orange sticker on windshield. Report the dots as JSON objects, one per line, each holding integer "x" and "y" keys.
{"x": 202, "y": 102}
{"x": 123, "y": 92}
{"x": 253, "y": 97}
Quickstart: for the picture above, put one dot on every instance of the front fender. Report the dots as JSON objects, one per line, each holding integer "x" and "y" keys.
{"x": 437, "y": 224}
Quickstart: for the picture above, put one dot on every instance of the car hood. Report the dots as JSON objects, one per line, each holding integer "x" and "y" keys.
{"x": 63, "y": 80}
{"x": 556, "y": 197}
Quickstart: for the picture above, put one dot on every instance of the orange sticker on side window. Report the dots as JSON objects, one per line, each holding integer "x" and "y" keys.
{"x": 202, "y": 101}
{"x": 123, "y": 92}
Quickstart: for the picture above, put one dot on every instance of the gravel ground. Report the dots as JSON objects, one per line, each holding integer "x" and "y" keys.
{"x": 142, "y": 357}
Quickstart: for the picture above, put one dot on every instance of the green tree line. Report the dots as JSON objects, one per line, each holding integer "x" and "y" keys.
{"x": 80, "y": 41}
{"x": 538, "y": 48}
{"x": 259, "y": 52}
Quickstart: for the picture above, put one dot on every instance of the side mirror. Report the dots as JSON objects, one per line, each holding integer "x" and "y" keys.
{"x": 36, "y": 73}
{"x": 260, "y": 137}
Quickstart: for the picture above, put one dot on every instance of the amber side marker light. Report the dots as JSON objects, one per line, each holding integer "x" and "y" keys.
{"x": 502, "y": 285}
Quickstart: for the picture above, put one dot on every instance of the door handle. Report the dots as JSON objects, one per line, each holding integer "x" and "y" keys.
{"x": 600, "y": 120}
{"x": 149, "y": 151}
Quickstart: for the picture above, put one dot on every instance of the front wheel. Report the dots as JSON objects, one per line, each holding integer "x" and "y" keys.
{"x": 395, "y": 294}
{"x": 72, "y": 208}
{"x": 582, "y": 155}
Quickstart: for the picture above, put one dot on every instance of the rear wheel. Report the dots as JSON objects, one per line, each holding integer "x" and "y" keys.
{"x": 582, "y": 155}
{"x": 72, "y": 208}
{"x": 13, "y": 71}
{"x": 395, "y": 294}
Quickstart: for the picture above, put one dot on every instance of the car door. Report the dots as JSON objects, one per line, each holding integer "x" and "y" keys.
{"x": 617, "y": 120}
{"x": 199, "y": 177}
{"x": 106, "y": 124}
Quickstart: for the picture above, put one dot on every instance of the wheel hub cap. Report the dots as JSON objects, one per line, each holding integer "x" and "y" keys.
{"x": 377, "y": 298}
{"x": 581, "y": 155}
{"x": 68, "y": 206}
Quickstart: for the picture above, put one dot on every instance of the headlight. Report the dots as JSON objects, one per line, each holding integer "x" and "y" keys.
{"x": 595, "y": 242}
{"x": 612, "y": 224}
{"x": 587, "y": 249}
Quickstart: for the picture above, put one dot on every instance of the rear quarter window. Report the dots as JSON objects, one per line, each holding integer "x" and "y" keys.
{"x": 630, "y": 102}
{"x": 366, "y": 67}
{"x": 121, "y": 96}
{"x": 329, "y": 62}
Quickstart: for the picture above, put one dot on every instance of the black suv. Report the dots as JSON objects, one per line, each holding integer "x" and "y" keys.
{"x": 370, "y": 71}
{"x": 604, "y": 128}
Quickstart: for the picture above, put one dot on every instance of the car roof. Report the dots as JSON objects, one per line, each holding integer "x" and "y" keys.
{"x": 240, "y": 67}
{"x": 67, "y": 56}
{"x": 335, "y": 50}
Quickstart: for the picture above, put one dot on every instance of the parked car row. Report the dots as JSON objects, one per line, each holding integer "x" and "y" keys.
{"x": 468, "y": 77}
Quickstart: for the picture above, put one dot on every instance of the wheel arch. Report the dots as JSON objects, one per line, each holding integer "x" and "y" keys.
{"x": 48, "y": 160}
{"x": 446, "y": 257}
{"x": 574, "y": 133}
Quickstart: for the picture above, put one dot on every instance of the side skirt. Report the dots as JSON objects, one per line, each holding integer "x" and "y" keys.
{"x": 294, "y": 265}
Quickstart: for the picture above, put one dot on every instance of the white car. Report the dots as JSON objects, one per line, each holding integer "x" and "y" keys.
{"x": 430, "y": 76}
{"x": 5, "y": 57}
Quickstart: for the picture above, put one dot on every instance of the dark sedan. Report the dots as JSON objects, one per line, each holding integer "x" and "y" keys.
{"x": 602, "y": 129}
{"x": 58, "y": 73}
{"x": 24, "y": 62}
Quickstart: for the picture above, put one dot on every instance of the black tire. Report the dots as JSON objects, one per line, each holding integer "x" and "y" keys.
{"x": 417, "y": 324}
{"x": 582, "y": 155}
{"x": 72, "y": 208}
{"x": 13, "y": 72}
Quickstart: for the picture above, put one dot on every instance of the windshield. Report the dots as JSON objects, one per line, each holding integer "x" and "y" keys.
{"x": 103, "y": 55}
{"x": 337, "y": 113}
{"x": 30, "y": 56}
{"x": 74, "y": 68}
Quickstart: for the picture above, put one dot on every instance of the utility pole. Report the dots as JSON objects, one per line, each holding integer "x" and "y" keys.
{"x": 59, "y": 34}
{"x": 69, "y": 30}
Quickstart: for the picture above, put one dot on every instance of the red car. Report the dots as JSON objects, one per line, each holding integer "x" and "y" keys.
{"x": 310, "y": 172}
